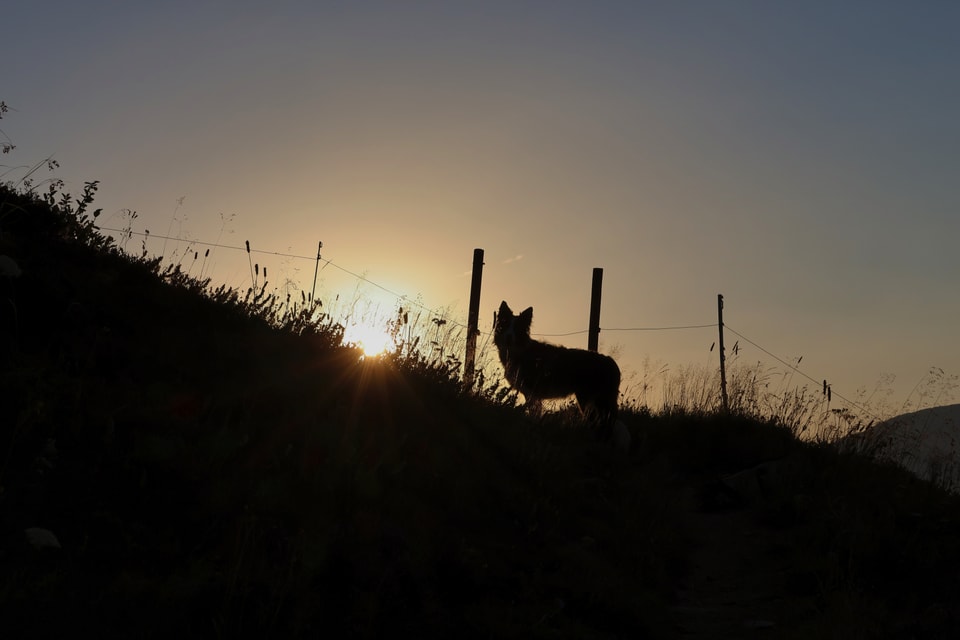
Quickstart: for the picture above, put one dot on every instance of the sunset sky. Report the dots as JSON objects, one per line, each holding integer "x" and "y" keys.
{"x": 800, "y": 158}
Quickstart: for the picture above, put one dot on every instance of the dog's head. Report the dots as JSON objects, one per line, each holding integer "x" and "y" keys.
{"x": 509, "y": 330}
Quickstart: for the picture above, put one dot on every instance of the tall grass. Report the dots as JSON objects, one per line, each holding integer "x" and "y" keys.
{"x": 436, "y": 339}
{"x": 223, "y": 464}
{"x": 755, "y": 390}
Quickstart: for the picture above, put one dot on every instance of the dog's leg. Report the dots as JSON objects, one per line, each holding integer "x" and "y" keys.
{"x": 589, "y": 409}
{"x": 599, "y": 413}
{"x": 534, "y": 407}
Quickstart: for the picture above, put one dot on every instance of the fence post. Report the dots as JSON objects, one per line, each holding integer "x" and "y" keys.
{"x": 723, "y": 357}
{"x": 593, "y": 335}
{"x": 473, "y": 320}
{"x": 316, "y": 268}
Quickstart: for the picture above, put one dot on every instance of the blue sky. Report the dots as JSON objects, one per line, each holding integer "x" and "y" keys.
{"x": 799, "y": 158}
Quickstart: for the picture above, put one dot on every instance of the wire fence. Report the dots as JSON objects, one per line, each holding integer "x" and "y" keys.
{"x": 400, "y": 296}
{"x": 433, "y": 312}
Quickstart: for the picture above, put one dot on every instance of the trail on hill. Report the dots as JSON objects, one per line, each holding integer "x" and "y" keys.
{"x": 739, "y": 580}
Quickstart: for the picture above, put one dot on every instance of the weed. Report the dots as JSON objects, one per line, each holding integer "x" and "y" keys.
{"x": 221, "y": 463}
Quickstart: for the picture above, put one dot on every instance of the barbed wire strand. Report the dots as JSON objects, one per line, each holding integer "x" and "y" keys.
{"x": 488, "y": 334}
{"x": 802, "y": 373}
{"x": 679, "y": 327}
{"x": 560, "y": 335}
{"x": 397, "y": 295}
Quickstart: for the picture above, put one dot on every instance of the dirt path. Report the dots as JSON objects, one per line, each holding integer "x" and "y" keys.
{"x": 738, "y": 581}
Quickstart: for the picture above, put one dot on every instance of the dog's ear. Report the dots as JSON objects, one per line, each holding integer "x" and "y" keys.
{"x": 505, "y": 308}
{"x": 526, "y": 317}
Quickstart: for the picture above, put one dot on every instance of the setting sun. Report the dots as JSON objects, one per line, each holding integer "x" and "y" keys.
{"x": 374, "y": 341}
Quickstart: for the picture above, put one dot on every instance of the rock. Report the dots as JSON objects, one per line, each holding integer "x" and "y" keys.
{"x": 9, "y": 268}
{"x": 41, "y": 538}
{"x": 621, "y": 437}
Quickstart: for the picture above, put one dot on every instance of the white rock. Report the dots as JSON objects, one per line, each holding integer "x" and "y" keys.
{"x": 9, "y": 268}
{"x": 41, "y": 538}
{"x": 621, "y": 436}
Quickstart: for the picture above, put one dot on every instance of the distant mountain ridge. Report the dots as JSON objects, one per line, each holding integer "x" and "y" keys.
{"x": 924, "y": 442}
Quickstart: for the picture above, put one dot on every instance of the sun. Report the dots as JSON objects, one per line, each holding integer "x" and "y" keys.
{"x": 374, "y": 341}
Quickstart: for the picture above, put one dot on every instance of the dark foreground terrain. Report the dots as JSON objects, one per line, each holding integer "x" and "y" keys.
{"x": 177, "y": 462}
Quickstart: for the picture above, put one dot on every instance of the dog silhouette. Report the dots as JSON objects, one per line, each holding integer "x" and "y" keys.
{"x": 541, "y": 371}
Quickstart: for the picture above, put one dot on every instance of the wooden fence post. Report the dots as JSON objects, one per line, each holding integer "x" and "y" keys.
{"x": 473, "y": 320}
{"x": 723, "y": 357}
{"x": 593, "y": 335}
{"x": 316, "y": 268}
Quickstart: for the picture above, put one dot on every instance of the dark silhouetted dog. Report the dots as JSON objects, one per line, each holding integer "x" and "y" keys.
{"x": 542, "y": 371}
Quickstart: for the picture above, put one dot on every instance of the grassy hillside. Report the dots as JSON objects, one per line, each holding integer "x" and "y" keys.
{"x": 213, "y": 465}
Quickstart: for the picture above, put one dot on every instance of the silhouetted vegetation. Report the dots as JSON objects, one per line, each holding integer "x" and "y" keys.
{"x": 183, "y": 461}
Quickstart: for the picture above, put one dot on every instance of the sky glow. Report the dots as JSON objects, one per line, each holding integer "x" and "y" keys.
{"x": 798, "y": 158}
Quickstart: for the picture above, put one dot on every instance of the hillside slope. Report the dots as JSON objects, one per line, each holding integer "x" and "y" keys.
{"x": 206, "y": 473}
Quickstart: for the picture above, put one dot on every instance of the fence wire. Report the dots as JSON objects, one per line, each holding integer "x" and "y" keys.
{"x": 433, "y": 312}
